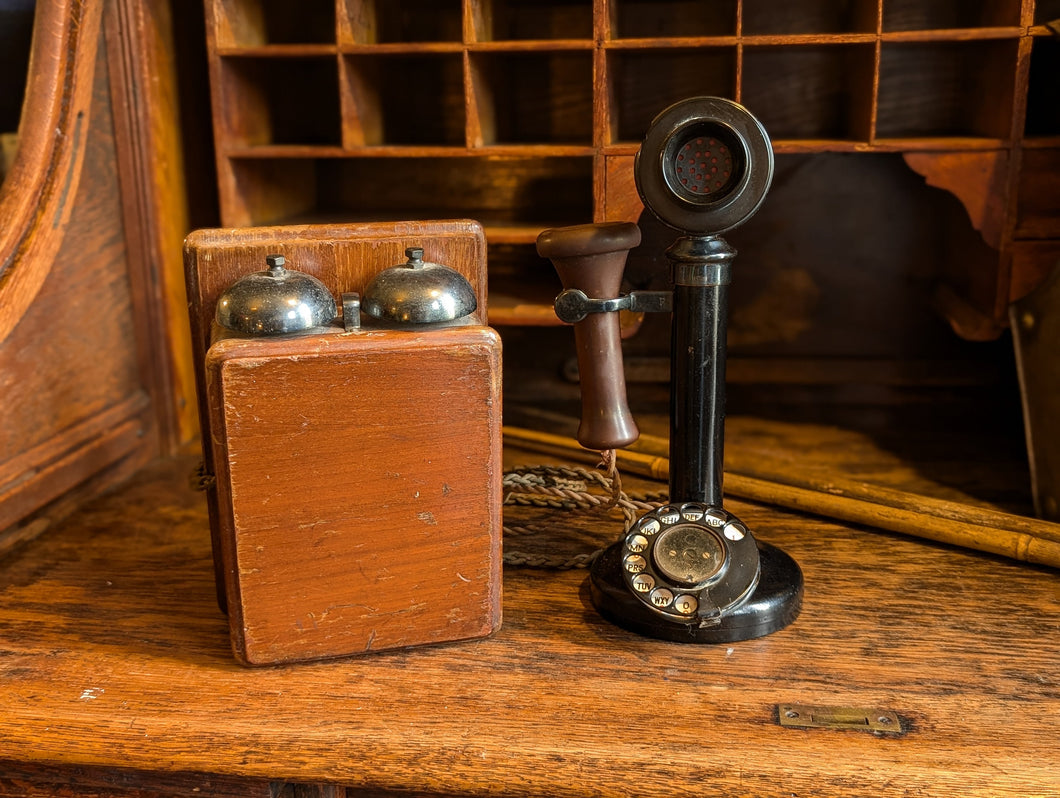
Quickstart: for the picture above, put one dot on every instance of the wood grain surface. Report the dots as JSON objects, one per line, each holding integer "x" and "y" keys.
{"x": 359, "y": 481}
{"x": 74, "y": 380}
{"x": 115, "y": 656}
{"x": 143, "y": 71}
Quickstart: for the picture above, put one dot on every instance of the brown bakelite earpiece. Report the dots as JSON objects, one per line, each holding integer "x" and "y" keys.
{"x": 591, "y": 258}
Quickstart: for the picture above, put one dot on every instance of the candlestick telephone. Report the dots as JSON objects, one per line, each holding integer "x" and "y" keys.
{"x": 688, "y": 571}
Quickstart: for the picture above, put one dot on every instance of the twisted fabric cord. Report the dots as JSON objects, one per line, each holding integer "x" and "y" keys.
{"x": 568, "y": 488}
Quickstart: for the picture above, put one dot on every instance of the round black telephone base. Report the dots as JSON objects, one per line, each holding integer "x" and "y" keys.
{"x": 774, "y": 604}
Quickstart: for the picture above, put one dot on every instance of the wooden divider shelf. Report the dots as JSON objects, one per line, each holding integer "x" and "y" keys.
{"x": 365, "y": 109}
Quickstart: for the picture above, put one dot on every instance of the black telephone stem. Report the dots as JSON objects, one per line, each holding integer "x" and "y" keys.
{"x": 697, "y": 366}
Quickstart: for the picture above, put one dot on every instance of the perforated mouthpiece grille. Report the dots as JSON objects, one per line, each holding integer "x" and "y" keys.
{"x": 704, "y": 166}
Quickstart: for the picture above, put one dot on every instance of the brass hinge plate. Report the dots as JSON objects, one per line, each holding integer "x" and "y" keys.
{"x": 804, "y": 716}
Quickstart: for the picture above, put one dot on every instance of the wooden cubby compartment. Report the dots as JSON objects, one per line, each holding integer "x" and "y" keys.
{"x": 938, "y": 89}
{"x": 526, "y": 113}
{"x": 519, "y": 20}
{"x": 818, "y": 92}
{"x": 1046, "y": 11}
{"x": 498, "y": 191}
{"x": 534, "y": 97}
{"x": 649, "y": 19}
{"x": 507, "y": 194}
{"x": 403, "y": 98}
{"x": 258, "y": 23}
{"x": 769, "y": 18}
{"x": 913, "y": 15}
{"x": 389, "y": 22}
{"x": 1043, "y": 89}
{"x": 277, "y": 101}
{"x": 644, "y": 81}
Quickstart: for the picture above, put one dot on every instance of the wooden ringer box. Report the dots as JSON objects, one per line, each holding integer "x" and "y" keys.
{"x": 354, "y": 477}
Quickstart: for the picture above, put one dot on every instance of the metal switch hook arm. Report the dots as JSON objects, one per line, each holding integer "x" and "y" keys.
{"x": 573, "y": 305}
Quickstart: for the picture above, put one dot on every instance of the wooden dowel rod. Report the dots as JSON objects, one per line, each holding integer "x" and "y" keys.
{"x": 748, "y": 465}
{"x": 1016, "y": 545}
{"x": 738, "y": 460}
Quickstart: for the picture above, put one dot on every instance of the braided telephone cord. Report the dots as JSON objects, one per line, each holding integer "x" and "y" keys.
{"x": 568, "y": 488}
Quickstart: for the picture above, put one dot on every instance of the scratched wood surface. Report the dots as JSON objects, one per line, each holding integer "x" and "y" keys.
{"x": 115, "y": 656}
{"x": 359, "y": 481}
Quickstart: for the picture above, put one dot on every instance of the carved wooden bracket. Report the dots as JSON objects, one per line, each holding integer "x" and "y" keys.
{"x": 979, "y": 180}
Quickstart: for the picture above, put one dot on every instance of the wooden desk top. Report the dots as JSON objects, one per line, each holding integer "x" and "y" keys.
{"x": 113, "y": 654}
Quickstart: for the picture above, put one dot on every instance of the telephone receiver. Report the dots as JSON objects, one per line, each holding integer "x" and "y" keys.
{"x": 687, "y": 571}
